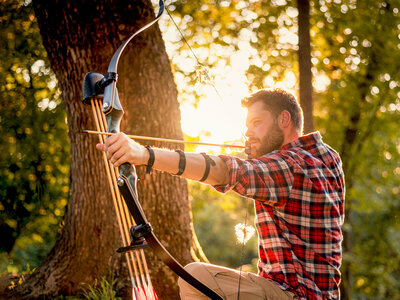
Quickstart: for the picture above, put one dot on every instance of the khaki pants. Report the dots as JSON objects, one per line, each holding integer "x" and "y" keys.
{"x": 225, "y": 281}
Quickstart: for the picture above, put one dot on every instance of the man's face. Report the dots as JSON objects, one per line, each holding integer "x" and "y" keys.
{"x": 263, "y": 132}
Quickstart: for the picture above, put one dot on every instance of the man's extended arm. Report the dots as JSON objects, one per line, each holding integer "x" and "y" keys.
{"x": 121, "y": 149}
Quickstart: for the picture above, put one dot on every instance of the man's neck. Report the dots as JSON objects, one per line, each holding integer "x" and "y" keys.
{"x": 290, "y": 136}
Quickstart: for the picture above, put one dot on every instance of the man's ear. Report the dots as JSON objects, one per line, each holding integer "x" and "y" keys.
{"x": 284, "y": 119}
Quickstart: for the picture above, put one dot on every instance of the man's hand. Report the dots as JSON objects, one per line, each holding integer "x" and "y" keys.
{"x": 121, "y": 149}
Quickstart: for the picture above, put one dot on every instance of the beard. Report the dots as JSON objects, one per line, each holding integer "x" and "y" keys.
{"x": 272, "y": 140}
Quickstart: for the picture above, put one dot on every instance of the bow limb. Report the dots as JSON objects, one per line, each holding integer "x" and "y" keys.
{"x": 110, "y": 90}
{"x": 127, "y": 183}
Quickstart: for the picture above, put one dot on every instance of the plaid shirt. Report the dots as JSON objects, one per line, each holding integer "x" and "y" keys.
{"x": 299, "y": 192}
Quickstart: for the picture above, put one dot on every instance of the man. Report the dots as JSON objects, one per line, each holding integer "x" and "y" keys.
{"x": 297, "y": 184}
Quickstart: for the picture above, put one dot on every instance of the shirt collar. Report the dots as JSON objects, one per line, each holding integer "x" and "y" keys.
{"x": 304, "y": 141}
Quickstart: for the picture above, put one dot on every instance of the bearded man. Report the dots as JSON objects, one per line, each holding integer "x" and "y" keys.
{"x": 297, "y": 184}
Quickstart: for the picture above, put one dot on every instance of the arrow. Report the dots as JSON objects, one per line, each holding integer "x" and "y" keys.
{"x": 148, "y": 138}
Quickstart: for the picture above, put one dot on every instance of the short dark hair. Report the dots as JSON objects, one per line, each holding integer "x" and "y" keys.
{"x": 276, "y": 101}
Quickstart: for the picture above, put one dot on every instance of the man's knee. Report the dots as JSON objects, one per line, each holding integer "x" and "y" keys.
{"x": 197, "y": 270}
{"x": 193, "y": 269}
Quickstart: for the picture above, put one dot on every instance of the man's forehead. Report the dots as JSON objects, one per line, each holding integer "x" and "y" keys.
{"x": 257, "y": 110}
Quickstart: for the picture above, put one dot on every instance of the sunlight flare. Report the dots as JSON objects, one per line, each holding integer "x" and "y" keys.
{"x": 243, "y": 233}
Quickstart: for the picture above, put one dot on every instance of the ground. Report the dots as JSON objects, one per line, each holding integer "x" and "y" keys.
{"x": 7, "y": 281}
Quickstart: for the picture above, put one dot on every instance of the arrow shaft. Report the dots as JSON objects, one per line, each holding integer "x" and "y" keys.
{"x": 148, "y": 138}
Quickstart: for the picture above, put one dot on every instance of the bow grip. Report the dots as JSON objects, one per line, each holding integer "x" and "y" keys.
{"x": 127, "y": 184}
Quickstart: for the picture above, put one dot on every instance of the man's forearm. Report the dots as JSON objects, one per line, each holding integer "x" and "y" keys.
{"x": 121, "y": 149}
{"x": 168, "y": 161}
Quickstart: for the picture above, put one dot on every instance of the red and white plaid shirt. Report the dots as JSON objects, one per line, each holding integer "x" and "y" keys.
{"x": 299, "y": 200}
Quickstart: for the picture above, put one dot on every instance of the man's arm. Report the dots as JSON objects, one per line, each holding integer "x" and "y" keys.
{"x": 121, "y": 149}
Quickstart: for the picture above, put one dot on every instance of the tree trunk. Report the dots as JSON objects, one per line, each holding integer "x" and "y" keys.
{"x": 306, "y": 100}
{"x": 354, "y": 140}
{"x": 80, "y": 37}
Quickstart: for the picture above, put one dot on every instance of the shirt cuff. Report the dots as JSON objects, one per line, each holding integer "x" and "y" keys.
{"x": 232, "y": 165}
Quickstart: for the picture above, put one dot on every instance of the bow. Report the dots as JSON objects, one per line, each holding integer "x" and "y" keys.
{"x": 101, "y": 93}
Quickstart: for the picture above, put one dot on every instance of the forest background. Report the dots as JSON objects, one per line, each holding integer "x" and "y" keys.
{"x": 355, "y": 65}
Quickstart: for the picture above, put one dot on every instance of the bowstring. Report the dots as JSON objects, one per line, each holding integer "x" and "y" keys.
{"x": 191, "y": 50}
{"x": 243, "y": 243}
{"x": 219, "y": 95}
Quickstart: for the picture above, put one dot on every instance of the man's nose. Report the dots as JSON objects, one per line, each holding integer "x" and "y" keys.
{"x": 248, "y": 133}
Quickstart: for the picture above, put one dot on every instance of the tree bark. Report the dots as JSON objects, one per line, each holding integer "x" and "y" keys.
{"x": 306, "y": 99}
{"x": 80, "y": 37}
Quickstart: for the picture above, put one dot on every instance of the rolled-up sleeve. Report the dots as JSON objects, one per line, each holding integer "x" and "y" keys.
{"x": 267, "y": 179}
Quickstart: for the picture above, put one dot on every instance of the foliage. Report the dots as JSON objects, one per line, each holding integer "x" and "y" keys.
{"x": 215, "y": 217}
{"x": 34, "y": 154}
{"x": 104, "y": 291}
{"x": 360, "y": 54}
{"x": 355, "y": 59}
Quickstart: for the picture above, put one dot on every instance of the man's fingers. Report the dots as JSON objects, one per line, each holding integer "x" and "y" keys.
{"x": 116, "y": 138}
{"x": 111, "y": 140}
{"x": 100, "y": 147}
{"x": 117, "y": 156}
{"x": 119, "y": 162}
{"x": 119, "y": 149}
{"x": 117, "y": 146}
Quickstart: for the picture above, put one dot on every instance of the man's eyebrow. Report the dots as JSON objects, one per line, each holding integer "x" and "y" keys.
{"x": 249, "y": 121}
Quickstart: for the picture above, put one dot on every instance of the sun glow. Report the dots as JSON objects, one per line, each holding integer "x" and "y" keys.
{"x": 219, "y": 116}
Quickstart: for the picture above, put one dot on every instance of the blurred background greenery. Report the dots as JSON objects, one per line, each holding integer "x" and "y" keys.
{"x": 34, "y": 158}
